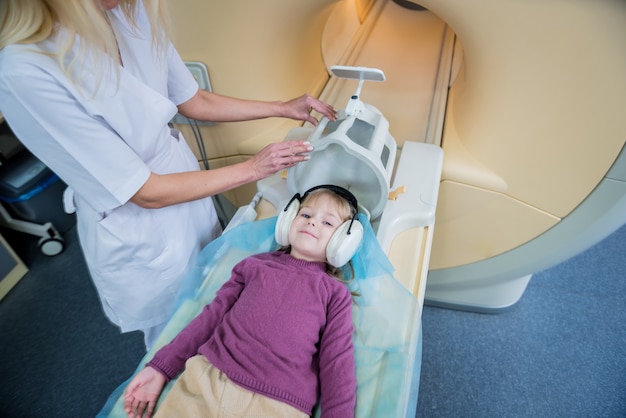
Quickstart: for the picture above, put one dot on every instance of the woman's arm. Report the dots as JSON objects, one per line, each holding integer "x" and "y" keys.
{"x": 213, "y": 107}
{"x": 170, "y": 189}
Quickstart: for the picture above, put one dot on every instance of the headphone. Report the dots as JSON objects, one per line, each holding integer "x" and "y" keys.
{"x": 345, "y": 240}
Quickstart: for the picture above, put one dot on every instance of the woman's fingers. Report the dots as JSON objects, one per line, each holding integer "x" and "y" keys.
{"x": 297, "y": 148}
{"x": 281, "y": 155}
{"x": 301, "y": 107}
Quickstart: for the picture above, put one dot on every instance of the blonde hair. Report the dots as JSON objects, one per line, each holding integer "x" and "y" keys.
{"x": 344, "y": 209}
{"x": 32, "y": 21}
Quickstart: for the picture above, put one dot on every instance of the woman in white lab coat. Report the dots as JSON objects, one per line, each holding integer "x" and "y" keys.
{"x": 89, "y": 86}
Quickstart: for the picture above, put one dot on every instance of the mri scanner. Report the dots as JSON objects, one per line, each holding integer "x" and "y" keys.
{"x": 526, "y": 100}
{"x": 515, "y": 108}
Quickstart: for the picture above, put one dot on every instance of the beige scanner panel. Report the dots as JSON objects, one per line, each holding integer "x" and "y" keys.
{"x": 462, "y": 211}
{"x": 407, "y": 46}
{"x": 534, "y": 119}
{"x": 266, "y": 50}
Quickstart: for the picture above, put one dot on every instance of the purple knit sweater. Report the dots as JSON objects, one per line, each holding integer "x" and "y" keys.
{"x": 281, "y": 327}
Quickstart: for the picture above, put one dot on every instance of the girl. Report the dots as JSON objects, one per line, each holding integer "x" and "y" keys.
{"x": 278, "y": 333}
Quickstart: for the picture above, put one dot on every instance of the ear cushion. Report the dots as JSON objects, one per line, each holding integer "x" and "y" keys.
{"x": 283, "y": 223}
{"x": 342, "y": 246}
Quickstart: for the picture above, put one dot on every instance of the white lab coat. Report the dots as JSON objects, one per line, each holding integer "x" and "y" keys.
{"x": 104, "y": 147}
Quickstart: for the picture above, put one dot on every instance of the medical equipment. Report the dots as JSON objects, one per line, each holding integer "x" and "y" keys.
{"x": 356, "y": 151}
{"x": 512, "y": 127}
{"x": 31, "y": 196}
{"x": 387, "y": 315}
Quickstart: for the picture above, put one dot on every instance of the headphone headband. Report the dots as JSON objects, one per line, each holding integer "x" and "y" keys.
{"x": 342, "y": 192}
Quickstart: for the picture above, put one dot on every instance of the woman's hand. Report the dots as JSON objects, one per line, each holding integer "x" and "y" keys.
{"x": 300, "y": 109}
{"x": 279, "y": 156}
{"x": 142, "y": 393}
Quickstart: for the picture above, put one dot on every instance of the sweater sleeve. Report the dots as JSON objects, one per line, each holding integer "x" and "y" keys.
{"x": 337, "y": 364}
{"x": 170, "y": 359}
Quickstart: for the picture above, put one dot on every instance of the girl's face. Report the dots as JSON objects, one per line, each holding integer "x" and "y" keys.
{"x": 109, "y": 4}
{"x": 315, "y": 223}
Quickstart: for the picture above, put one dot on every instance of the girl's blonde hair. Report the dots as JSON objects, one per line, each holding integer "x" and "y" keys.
{"x": 343, "y": 207}
{"x": 32, "y": 21}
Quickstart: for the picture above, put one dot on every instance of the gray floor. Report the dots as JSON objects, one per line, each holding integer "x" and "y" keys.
{"x": 560, "y": 352}
{"x": 60, "y": 356}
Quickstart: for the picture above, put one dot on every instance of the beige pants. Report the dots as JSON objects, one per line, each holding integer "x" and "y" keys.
{"x": 204, "y": 391}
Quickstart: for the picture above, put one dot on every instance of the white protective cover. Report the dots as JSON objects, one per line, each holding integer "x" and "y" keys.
{"x": 354, "y": 152}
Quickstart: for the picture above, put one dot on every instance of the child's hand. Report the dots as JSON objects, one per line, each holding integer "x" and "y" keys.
{"x": 142, "y": 392}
